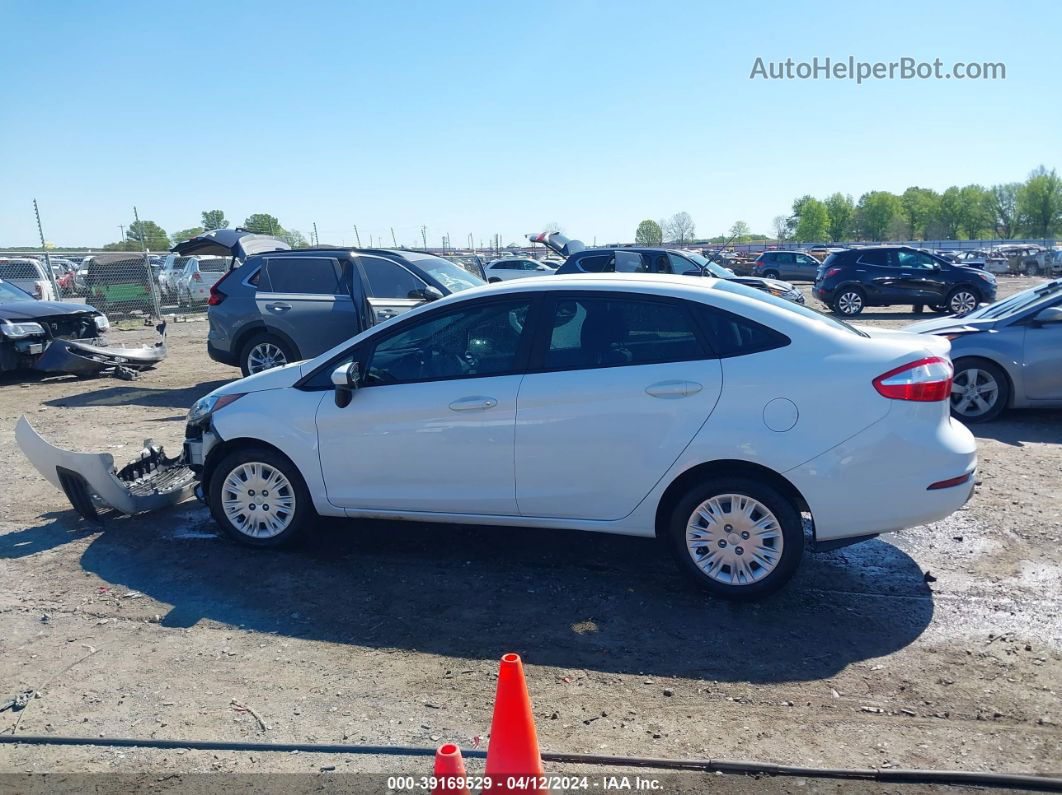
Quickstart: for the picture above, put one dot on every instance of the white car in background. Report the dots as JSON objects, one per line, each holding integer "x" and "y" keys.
{"x": 698, "y": 410}
{"x": 29, "y": 275}
{"x": 193, "y": 282}
{"x": 506, "y": 268}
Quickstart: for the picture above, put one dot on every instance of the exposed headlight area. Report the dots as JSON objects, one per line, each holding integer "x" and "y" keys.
{"x": 102, "y": 323}
{"x": 18, "y": 331}
{"x": 203, "y": 408}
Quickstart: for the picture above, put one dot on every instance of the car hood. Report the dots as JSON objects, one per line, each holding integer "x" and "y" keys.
{"x": 757, "y": 281}
{"x": 238, "y": 243}
{"x": 276, "y": 378}
{"x": 29, "y": 310}
{"x": 939, "y": 325}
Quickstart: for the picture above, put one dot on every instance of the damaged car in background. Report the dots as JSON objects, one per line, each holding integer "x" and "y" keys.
{"x": 56, "y": 337}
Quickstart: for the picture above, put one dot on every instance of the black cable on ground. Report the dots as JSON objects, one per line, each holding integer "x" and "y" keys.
{"x": 895, "y": 775}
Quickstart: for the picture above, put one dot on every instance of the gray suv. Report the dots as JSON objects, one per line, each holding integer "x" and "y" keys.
{"x": 788, "y": 265}
{"x": 283, "y": 306}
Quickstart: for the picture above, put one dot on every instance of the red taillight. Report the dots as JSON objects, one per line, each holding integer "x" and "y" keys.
{"x": 216, "y": 296}
{"x": 831, "y": 272}
{"x": 197, "y": 277}
{"x": 926, "y": 381}
{"x": 947, "y": 484}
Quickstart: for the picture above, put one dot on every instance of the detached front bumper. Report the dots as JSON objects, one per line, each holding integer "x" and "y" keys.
{"x": 91, "y": 480}
{"x": 82, "y": 358}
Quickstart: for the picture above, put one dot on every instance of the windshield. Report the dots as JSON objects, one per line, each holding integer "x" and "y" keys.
{"x": 453, "y": 277}
{"x": 9, "y": 294}
{"x": 811, "y": 314}
{"x": 1018, "y": 302}
{"x": 716, "y": 270}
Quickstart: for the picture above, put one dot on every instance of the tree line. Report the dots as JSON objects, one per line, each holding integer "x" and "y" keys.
{"x": 139, "y": 233}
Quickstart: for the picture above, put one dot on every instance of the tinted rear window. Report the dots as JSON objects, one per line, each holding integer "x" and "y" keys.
{"x": 596, "y": 264}
{"x": 310, "y": 275}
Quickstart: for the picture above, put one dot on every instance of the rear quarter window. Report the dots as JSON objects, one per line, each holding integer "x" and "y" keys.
{"x": 599, "y": 263}
{"x": 733, "y": 335}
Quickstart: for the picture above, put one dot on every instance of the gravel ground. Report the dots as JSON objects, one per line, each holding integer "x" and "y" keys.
{"x": 389, "y": 633}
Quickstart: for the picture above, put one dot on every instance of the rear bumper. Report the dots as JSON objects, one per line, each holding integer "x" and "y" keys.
{"x": 886, "y": 472}
{"x": 220, "y": 355}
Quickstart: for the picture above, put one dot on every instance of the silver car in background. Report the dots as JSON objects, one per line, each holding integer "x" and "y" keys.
{"x": 1006, "y": 355}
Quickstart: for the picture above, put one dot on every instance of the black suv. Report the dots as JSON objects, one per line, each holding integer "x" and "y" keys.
{"x": 850, "y": 280}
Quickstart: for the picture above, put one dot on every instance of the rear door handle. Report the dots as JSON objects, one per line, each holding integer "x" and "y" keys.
{"x": 278, "y": 307}
{"x": 672, "y": 390}
{"x": 476, "y": 403}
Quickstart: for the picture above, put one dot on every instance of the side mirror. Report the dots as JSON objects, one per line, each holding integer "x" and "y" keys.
{"x": 1050, "y": 314}
{"x": 428, "y": 293}
{"x": 346, "y": 378}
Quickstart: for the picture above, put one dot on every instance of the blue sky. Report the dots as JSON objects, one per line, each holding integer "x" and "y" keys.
{"x": 484, "y": 117}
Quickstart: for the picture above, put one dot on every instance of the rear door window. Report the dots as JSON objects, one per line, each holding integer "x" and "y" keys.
{"x": 310, "y": 275}
{"x": 631, "y": 262}
{"x": 878, "y": 258}
{"x": 388, "y": 279}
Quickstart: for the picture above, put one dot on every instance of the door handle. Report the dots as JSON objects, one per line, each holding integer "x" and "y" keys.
{"x": 672, "y": 390}
{"x": 386, "y": 314}
{"x": 477, "y": 403}
{"x": 278, "y": 307}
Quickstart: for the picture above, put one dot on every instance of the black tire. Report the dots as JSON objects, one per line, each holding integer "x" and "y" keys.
{"x": 940, "y": 309}
{"x": 788, "y": 520}
{"x": 959, "y": 299}
{"x": 265, "y": 339}
{"x": 770, "y": 274}
{"x": 964, "y": 369}
{"x": 918, "y": 308}
{"x": 848, "y": 302}
{"x": 302, "y": 516}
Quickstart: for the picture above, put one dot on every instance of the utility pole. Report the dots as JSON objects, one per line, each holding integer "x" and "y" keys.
{"x": 120, "y": 226}
{"x": 147, "y": 266}
{"x": 424, "y": 236}
{"x": 357, "y": 236}
{"x": 370, "y": 241}
{"x": 44, "y": 249}
{"x": 393, "y": 238}
{"x": 316, "y": 239}
{"x": 471, "y": 243}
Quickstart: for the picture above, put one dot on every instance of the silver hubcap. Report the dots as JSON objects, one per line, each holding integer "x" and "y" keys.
{"x": 258, "y": 500}
{"x": 963, "y": 302}
{"x": 734, "y": 539}
{"x": 850, "y": 303}
{"x": 264, "y": 356}
{"x": 973, "y": 392}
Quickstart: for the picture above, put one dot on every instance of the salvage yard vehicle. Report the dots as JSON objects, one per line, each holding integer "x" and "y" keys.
{"x": 786, "y": 265}
{"x": 655, "y": 260}
{"x": 199, "y": 274}
{"x": 508, "y": 268}
{"x": 29, "y": 275}
{"x": 118, "y": 283}
{"x": 851, "y": 280}
{"x": 283, "y": 306}
{"x": 698, "y": 393}
{"x": 61, "y": 338}
{"x": 1006, "y": 355}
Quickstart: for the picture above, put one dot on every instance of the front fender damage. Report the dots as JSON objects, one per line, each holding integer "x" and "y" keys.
{"x": 91, "y": 480}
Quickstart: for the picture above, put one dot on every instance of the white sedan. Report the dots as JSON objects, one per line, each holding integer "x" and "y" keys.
{"x": 506, "y": 268}
{"x": 697, "y": 410}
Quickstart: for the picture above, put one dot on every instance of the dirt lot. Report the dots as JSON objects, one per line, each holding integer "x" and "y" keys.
{"x": 384, "y": 633}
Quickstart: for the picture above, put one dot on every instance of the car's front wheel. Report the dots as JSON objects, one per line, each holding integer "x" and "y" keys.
{"x": 259, "y": 498}
{"x": 979, "y": 390}
{"x": 962, "y": 301}
{"x": 736, "y": 538}
{"x": 848, "y": 302}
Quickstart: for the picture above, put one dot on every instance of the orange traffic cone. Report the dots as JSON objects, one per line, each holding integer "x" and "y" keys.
{"x": 450, "y": 776}
{"x": 513, "y": 760}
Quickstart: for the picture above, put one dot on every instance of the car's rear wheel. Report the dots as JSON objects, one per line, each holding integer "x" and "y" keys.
{"x": 736, "y": 538}
{"x": 770, "y": 274}
{"x": 264, "y": 352}
{"x": 962, "y": 301}
{"x": 259, "y": 498}
{"x": 849, "y": 301}
{"x": 979, "y": 390}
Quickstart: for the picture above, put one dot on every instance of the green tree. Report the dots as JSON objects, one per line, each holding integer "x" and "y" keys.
{"x": 1003, "y": 206}
{"x": 951, "y": 213}
{"x": 974, "y": 213}
{"x": 148, "y": 232}
{"x": 840, "y": 209}
{"x": 920, "y": 209}
{"x": 740, "y": 231}
{"x": 123, "y": 245}
{"x": 214, "y": 219}
{"x": 781, "y": 227}
{"x": 649, "y": 233}
{"x": 1040, "y": 203}
{"x": 263, "y": 224}
{"x": 875, "y": 214}
{"x": 292, "y": 237}
{"x": 679, "y": 228}
{"x": 814, "y": 223}
{"x": 186, "y": 234}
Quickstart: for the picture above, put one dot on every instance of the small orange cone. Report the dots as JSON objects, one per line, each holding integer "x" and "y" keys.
{"x": 450, "y": 776}
{"x": 512, "y": 756}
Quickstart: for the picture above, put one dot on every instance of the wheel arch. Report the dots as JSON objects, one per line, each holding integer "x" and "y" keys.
{"x": 978, "y": 357}
{"x": 225, "y": 447}
{"x": 724, "y": 468}
{"x": 259, "y": 327}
